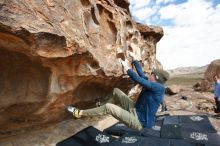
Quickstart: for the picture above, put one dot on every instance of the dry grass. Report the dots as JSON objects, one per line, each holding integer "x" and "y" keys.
{"x": 185, "y": 79}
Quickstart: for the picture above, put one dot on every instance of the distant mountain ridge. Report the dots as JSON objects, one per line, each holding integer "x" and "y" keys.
{"x": 187, "y": 70}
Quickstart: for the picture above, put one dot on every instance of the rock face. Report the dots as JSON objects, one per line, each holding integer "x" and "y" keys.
{"x": 159, "y": 65}
{"x": 204, "y": 85}
{"x": 64, "y": 52}
{"x": 213, "y": 69}
{"x": 173, "y": 89}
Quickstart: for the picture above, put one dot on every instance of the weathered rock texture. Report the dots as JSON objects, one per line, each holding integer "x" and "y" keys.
{"x": 173, "y": 89}
{"x": 64, "y": 52}
{"x": 203, "y": 85}
{"x": 213, "y": 69}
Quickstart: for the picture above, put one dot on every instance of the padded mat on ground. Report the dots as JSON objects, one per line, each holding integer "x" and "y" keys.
{"x": 89, "y": 136}
{"x": 120, "y": 129}
{"x": 170, "y": 131}
{"x": 194, "y": 119}
{"x": 194, "y": 127}
{"x": 186, "y": 119}
{"x": 202, "y": 138}
{"x": 171, "y": 120}
{"x": 151, "y": 141}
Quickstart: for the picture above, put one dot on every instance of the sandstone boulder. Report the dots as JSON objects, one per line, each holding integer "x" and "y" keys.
{"x": 173, "y": 89}
{"x": 213, "y": 69}
{"x": 204, "y": 85}
{"x": 64, "y": 52}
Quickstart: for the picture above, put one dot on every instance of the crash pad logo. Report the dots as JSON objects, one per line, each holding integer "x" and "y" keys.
{"x": 102, "y": 138}
{"x": 196, "y": 118}
{"x": 198, "y": 136}
{"x": 129, "y": 140}
{"x": 157, "y": 128}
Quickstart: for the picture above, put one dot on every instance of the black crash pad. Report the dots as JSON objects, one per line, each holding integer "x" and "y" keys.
{"x": 129, "y": 140}
{"x": 173, "y": 126}
{"x": 120, "y": 129}
{"x": 202, "y": 138}
{"x": 187, "y": 130}
{"x": 150, "y": 141}
{"x": 171, "y": 131}
{"x": 199, "y": 119}
{"x": 195, "y": 127}
{"x": 89, "y": 136}
{"x": 171, "y": 120}
{"x": 148, "y": 132}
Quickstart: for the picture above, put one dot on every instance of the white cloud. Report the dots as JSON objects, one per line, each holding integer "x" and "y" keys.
{"x": 193, "y": 38}
{"x": 144, "y": 13}
{"x": 169, "y": 12}
{"x": 158, "y": 2}
{"x": 142, "y": 9}
{"x": 136, "y": 4}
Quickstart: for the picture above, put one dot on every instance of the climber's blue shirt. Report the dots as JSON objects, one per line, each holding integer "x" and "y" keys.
{"x": 217, "y": 90}
{"x": 150, "y": 97}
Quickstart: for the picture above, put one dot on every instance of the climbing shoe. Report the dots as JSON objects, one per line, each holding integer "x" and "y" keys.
{"x": 72, "y": 110}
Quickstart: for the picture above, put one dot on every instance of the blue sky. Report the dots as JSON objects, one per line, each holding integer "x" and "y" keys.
{"x": 191, "y": 29}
